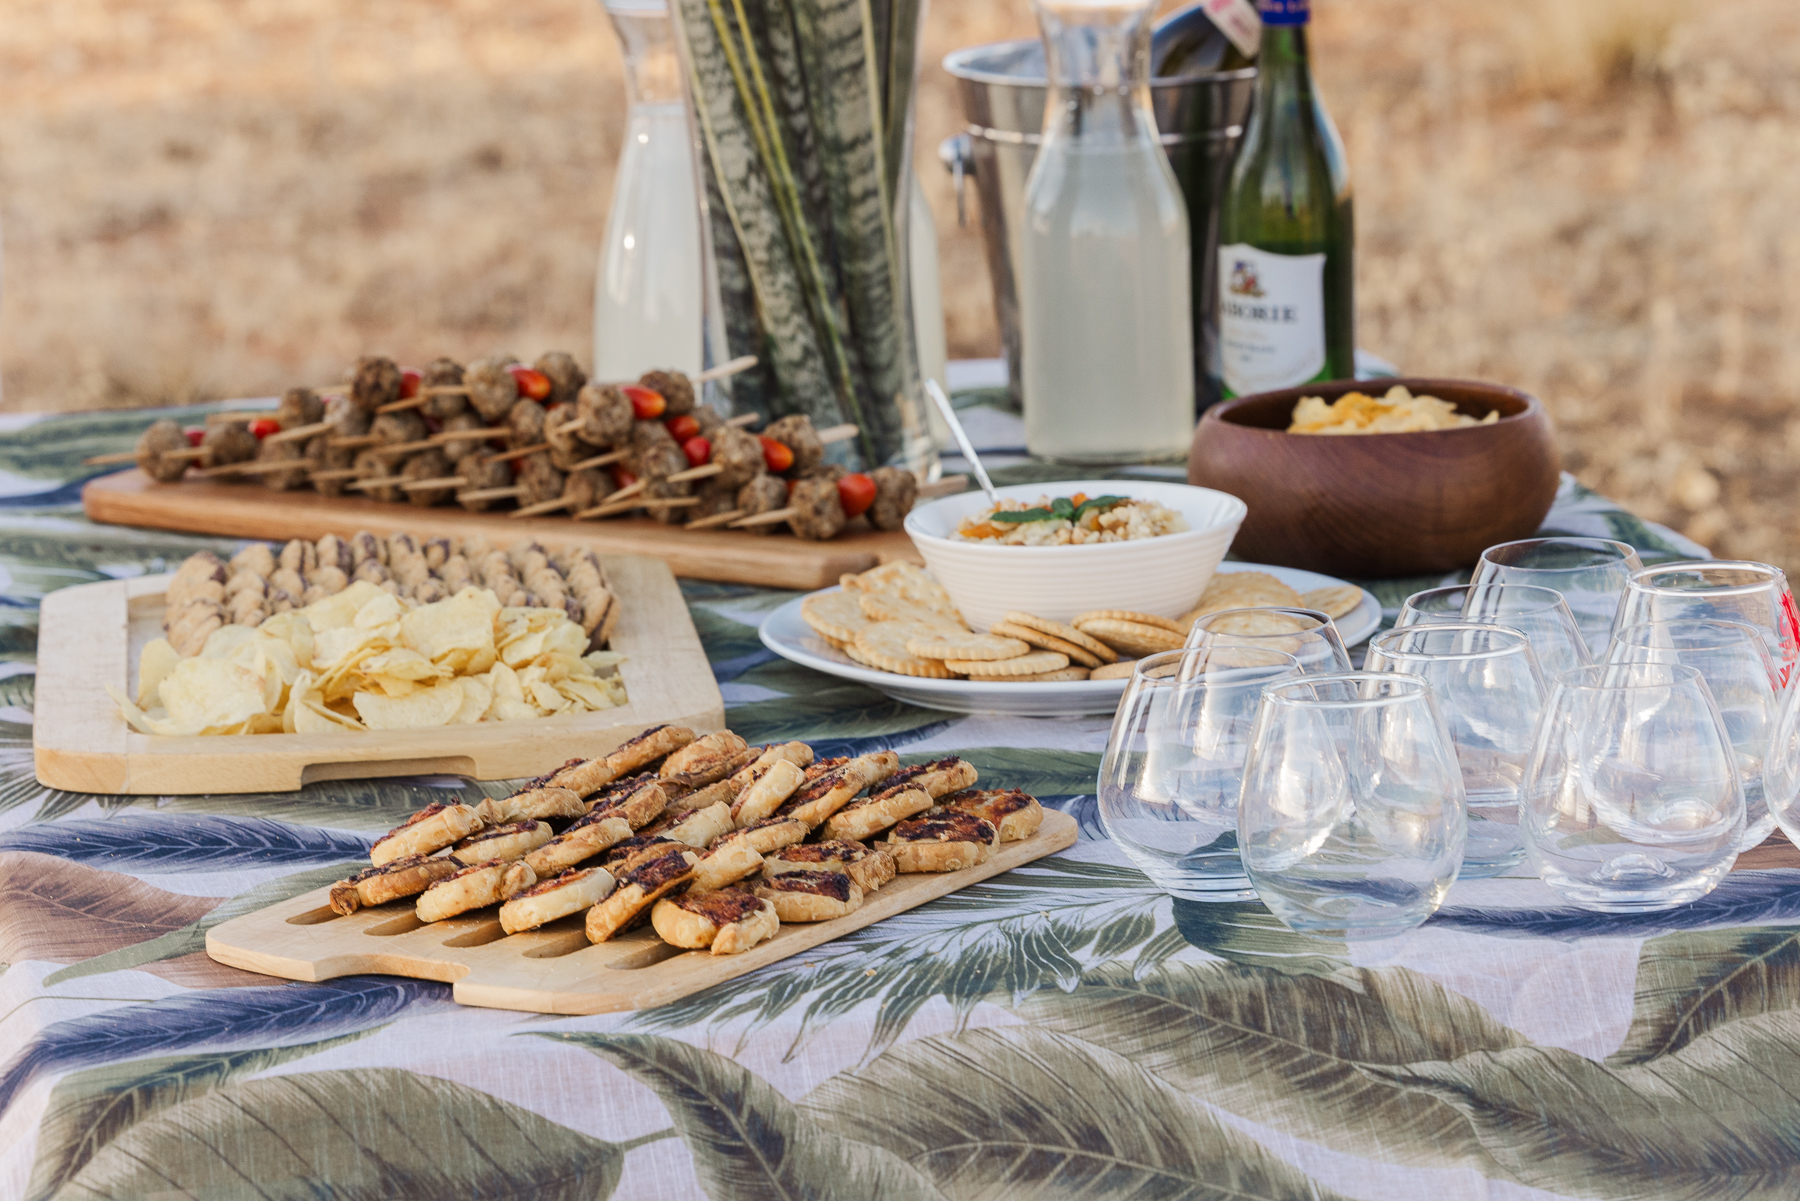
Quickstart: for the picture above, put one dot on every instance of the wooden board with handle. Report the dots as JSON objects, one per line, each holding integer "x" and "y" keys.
{"x": 555, "y": 969}
{"x": 90, "y": 636}
{"x": 243, "y": 510}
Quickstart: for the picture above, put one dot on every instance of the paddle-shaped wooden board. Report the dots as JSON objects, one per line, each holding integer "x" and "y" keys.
{"x": 556, "y": 969}
{"x": 248, "y": 510}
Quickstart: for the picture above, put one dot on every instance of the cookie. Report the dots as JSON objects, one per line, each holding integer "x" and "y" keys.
{"x": 1132, "y": 638}
{"x": 836, "y": 616}
{"x": 1048, "y": 642}
{"x": 1335, "y": 601}
{"x": 1067, "y": 633}
{"x": 1059, "y": 676}
{"x": 1122, "y": 670}
{"x": 1022, "y": 665}
{"x": 883, "y": 645}
{"x": 959, "y": 644}
{"x": 1143, "y": 619}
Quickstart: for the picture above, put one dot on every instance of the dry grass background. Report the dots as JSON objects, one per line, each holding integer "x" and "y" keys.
{"x": 1594, "y": 201}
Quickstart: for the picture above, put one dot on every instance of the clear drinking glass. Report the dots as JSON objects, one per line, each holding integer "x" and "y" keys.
{"x": 1169, "y": 782}
{"x": 1632, "y": 801}
{"x": 1491, "y": 692}
{"x": 1719, "y": 590}
{"x": 1745, "y": 684}
{"x": 1540, "y": 614}
{"x": 1589, "y": 572}
{"x": 1352, "y": 821}
{"x": 1781, "y": 771}
{"x": 1307, "y": 634}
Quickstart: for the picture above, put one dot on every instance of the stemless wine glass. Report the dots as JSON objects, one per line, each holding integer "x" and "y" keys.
{"x": 1734, "y": 661}
{"x": 1491, "y": 691}
{"x": 1169, "y": 782}
{"x": 1307, "y": 634}
{"x": 1590, "y": 573}
{"x": 1719, "y": 590}
{"x": 1539, "y": 613}
{"x": 1632, "y": 801}
{"x": 1352, "y": 819}
{"x": 1781, "y": 769}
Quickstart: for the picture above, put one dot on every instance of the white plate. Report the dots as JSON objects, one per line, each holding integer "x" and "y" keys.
{"x": 788, "y": 636}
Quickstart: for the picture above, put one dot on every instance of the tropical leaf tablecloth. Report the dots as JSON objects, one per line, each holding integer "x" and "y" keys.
{"x": 1064, "y": 1030}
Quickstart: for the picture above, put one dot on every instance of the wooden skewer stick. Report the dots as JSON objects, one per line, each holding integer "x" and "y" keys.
{"x": 724, "y": 369}
{"x": 207, "y": 473}
{"x": 517, "y": 454}
{"x": 331, "y": 389}
{"x": 706, "y": 523}
{"x": 492, "y": 493}
{"x": 443, "y": 481}
{"x": 949, "y": 485}
{"x": 742, "y": 420}
{"x": 400, "y": 406}
{"x": 191, "y": 453}
{"x": 259, "y": 467}
{"x": 337, "y": 473}
{"x": 384, "y": 481}
{"x": 543, "y": 506}
{"x": 666, "y": 502}
{"x": 704, "y": 471}
{"x": 233, "y": 416}
{"x": 611, "y": 456}
{"x": 606, "y": 506}
{"x": 117, "y": 456}
{"x": 446, "y": 436}
{"x": 354, "y": 442}
{"x": 837, "y": 433}
{"x": 569, "y": 427}
{"x": 773, "y": 517}
{"x": 404, "y": 448}
{"x": 300, "y": 432}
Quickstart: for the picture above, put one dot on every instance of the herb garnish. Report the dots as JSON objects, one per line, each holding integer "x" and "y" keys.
{"x": 1061, "y": 507}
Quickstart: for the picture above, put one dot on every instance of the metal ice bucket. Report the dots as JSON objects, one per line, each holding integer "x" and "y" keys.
{"x": 1201, "y": 118}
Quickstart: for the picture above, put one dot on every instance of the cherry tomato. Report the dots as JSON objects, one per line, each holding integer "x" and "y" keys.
{"x": 776, "y": 455}
{"x": 791, "y": 485}
{"x": 410, "y": 379}
{"x": 698, "y": 451}
{"x": 646, "y": 405}
{"x": 196, "y": 437}
{"x": 683, "y": 427}
{"x": 856, "y": 492}
{"x": 533, "y": 384}
{"x": 262, "y": 427}
{"x": 623, "y": 477}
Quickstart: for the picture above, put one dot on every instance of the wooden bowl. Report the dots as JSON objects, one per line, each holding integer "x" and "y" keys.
{"x": 1380, "y": 505}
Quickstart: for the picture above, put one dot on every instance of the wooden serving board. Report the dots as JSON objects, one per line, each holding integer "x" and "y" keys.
{"x": 555, "y": 969}
{"x": 247, "y": 510}
{"x": 90, "y": 636}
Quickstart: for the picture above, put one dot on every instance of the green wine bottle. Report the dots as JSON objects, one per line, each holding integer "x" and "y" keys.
{"x": 1287, "y": 303}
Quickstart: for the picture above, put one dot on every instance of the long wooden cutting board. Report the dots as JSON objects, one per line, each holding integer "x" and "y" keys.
{"x": 90, "y": 636}
{"x": 555, "y": 969}
{"x": 252, "y": 511}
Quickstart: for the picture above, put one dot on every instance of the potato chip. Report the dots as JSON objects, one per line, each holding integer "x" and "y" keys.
{"x": 403, "y": 663}
{"x": 155, "y": 662}
{"x": 223, "y": 642}
{"x": 380, "y": 609}
{"x": 425, "y": 709}
{"x": 505, "y": 683}
{"x": 505, "y": 708}
{"x": 339, "y": 609}
{"x": 477, "y": 696}
{"x": 294, "y": 629}
{"x": 311, "y": 717}
{"x": 340, "y": 645}
{"x": 211, "y": 692}
{"x": 461, "y": 623}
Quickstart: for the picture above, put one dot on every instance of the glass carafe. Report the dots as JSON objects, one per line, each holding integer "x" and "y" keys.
{"x": 648, "y": 307}
{"x": 1105, "y": 330}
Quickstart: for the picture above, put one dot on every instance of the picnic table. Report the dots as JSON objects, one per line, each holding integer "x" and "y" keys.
{"x": 1061, "y": 1030}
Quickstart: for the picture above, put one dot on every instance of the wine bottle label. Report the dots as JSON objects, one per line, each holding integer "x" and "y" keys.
{"x": 1286, "y": 12}
{"x": 1238, "y": 21}
{"x": 1271, "y": 318}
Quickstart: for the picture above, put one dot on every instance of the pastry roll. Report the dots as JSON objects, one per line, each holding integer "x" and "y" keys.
{"x": 571, "y": 892}
{"x": 474, "y": 887}
{"x": 729, "y": 922}
{"x": 430, "y": 829}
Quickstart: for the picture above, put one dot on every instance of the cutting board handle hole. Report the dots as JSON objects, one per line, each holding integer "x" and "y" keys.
{"x": 313, "y": 917}
{"x": 404, "y": 924}
{"x": 480, "y": 936}
{"x": 560, "y": 945}
{"x": 648, "y": 956}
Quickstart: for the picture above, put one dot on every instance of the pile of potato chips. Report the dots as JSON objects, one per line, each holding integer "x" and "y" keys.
{"x": 365, "y": 659}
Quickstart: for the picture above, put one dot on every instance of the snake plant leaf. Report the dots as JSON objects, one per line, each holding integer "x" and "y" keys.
{"x": 1711, "y": 1120}
{"x": 1018, "y": 1112}
{"x": 724, "y": 1110}
{"x": 1287, "y": 1051}
{"x": 1694, "y": 981}
{"x": 378, "y": 1133}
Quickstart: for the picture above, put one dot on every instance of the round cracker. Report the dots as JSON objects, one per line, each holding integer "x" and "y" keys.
{"x": 1043, "y": 677}
{"x": 834, "y": 615}
{"x": 1122, "y": 670}
{"x": 1335, "y": 601}
{"x": 880, "y": 606}
{"x": 1253, "y": 622}
{"x": 1048, "y": 642}
{"x": 882, "y": 644}
{"x": 1133, "y": 638}
{"x": 1021, "y": 665}
{"x": 907, "y": 582}
{"x": 958, "y": 644}
{"x": 1067, "y": 633}
{"x": 1143, "y": 619}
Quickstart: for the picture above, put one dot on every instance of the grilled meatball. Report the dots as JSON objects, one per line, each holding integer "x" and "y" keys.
{"x": 347, "y": 421}
{"x": 740, "y": 454}
{"x": 443, "y": 373}
{"x": 709, "y": 420}
{"x": 429, "y": 465}
{"x": 231, "y": 442}
{"x": 567, "y": 447}
{"x": 819, "y": 514}
{"x": 565, "y": 375}
{"x": 764, "y": 494}
{"x": 460, "y": 449}
{"x": 279, "y": 452}
{"x": 321, "y": 455}
{"x": 396, "y": 428}
{"x": 481, "y": 475}
{"x": 675, "y": 388}
{"x": 492, "y": 389}
{"x": 896, "y": 490}
{"x": 586, "y": 488}
{"x": 371, "y": 464}
{"x": 299, "y": 406}
{"x": 797, "y": 434}
{"x": 376, "y": 383}
{"x": 164, "y": 436}
{"x": 715, "y": 498}
{"x": 541, "y": 480}
{"x": 606, "y": 416}
{"x": 525, "y": 421}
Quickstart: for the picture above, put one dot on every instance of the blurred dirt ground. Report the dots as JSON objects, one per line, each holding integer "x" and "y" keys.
{"x": 1596, "y": 202}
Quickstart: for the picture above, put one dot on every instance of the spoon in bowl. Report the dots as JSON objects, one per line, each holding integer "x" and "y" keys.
{"x": 962, "y": 440}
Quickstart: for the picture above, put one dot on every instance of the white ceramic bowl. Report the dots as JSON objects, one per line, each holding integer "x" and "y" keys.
{"x": 1163, "y": 575}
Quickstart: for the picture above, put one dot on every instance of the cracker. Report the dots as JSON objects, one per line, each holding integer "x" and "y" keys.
{"x": 1132, "y": 638}
{"x": 879, "y": 606}
{"x": 1067, "y": 633}
{"x": 958, "y": 644}
{"x": 1047, "y": 642}
{"x": 1043, "y": 677}
{"x": 904, "y": 581}
{"x": 834, "y": 615}
{"x": 1022, "y": 665}
{"x": 1242, "y": 590}
{"x": 883, "y": 645}
{"x": 1142, "y": 619}
{"x": 1334, "y": 602}
{"x": 1254, "y": 623}
{"x": 1122, "y": 670}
